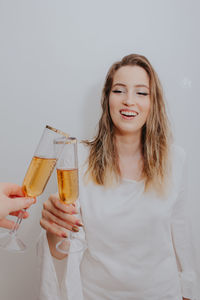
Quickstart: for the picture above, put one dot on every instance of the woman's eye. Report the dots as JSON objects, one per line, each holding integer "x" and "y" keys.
{"x": 117, "y": 91}
{"x": 142, "y": 93}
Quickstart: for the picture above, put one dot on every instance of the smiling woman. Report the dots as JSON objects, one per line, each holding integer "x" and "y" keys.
{"x": 132, "y": 196}
{"x": 132, "y": 84}
{"x": 129, "y": 100}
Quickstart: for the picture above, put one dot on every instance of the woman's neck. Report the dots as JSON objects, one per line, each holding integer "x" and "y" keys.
{"x": 128, "y": 145}
{"x": 130, "y": 156}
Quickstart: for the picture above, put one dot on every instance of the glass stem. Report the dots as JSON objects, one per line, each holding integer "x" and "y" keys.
{"x": 18, "y": 222}
{"x": 72, "y": 235}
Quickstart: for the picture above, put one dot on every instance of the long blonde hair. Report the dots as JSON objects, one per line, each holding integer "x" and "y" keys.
{"x": 103, "y": 166}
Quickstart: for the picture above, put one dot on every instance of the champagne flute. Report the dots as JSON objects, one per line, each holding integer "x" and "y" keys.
{"x": 68, "y": 188}
{"x": 36, "y": 178}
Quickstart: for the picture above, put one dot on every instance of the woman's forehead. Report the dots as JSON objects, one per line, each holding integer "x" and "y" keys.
{"x": 133, "y": 75}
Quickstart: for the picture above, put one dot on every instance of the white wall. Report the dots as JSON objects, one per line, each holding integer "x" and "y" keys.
{"x": 53, "y": 59}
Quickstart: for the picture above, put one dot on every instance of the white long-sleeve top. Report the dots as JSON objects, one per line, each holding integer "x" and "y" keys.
{"x": 137, "y": 244}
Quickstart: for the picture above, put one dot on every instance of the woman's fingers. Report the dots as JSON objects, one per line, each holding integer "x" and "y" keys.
{"x": 58, "y": 217}
{"x": 53, "y": 219}
{"x": 67, "y": 224}
{"x": 63, "y": 216}
{"x": 62, "y": 211}
{"x": 53, "y": 228}
{"x": 69, "y": 209}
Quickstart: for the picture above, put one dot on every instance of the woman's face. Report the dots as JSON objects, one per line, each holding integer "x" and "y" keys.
{"x": 129, "y": 99}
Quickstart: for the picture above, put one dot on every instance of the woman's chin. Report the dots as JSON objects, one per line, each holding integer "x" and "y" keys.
{"x": 128, "y": 131}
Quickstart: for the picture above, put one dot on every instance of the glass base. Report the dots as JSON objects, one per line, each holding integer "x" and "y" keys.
{"x": 12, "y": 243}
{"x": 74, "y": 245}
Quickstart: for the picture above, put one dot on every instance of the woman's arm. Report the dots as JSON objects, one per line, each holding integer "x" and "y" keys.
{"x": 57, "y": 219}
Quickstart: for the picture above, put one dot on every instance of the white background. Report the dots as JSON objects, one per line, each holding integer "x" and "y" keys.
{"x": 54, "y": 56}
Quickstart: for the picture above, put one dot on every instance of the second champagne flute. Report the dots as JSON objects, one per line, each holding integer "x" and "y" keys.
{"x": 68, "y": 188}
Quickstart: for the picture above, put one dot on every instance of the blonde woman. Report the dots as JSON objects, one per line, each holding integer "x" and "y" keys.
{"x": 132, "y": 195}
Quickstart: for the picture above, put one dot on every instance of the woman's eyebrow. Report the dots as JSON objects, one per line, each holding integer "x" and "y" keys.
{"x": 124, "y": 85}
{"x": 120, "y": 84}
{"x": 141, "y": 85}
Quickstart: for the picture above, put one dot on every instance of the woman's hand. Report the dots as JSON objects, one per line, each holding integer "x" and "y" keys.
{"x": 57, "y": 219}
{"x": 12, "y": 200}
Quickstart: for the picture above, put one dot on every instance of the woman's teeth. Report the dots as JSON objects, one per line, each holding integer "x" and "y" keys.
{"x": 129, "y": 113}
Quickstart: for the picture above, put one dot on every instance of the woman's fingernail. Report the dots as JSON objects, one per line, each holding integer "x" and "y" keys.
{"x": 79, "y": 223}
{"x": 75, "y": 229}
{"x": 64, "y": 235}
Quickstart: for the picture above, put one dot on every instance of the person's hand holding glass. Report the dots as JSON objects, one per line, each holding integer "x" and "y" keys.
{"x": 60, "y": 215}
{"x": 68, "y": 188}
{"x": 36, "y": 178}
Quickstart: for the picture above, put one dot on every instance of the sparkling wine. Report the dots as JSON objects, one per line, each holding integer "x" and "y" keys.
{"x": 37, "y": 175}
{"x": 68, "y": 185}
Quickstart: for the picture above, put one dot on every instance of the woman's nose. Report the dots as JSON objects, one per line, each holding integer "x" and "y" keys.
{"x": 129, "y": 99}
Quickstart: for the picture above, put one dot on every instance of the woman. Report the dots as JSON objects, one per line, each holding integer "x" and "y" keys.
{"x": 132, "y": 198}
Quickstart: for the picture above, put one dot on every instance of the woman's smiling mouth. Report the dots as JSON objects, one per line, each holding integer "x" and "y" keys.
{"x": 128, "y": 114}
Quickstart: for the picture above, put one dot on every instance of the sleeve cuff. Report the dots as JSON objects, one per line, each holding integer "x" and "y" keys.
{"x": 48, "y": 281}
